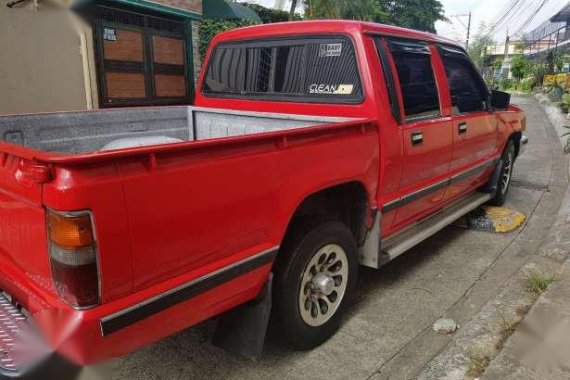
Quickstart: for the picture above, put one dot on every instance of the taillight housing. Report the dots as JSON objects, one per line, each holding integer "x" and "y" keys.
{"x": 73, "y": 257}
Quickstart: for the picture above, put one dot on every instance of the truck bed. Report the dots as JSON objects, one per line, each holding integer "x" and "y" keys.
{"x": 164, "y": 216}
{"x": 103, "y": 130}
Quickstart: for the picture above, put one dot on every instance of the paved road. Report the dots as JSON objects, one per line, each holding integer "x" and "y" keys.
{"x": 387, "y": 333}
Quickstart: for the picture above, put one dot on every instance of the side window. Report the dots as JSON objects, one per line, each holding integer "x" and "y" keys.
{"x": 468, "y": 93}
{"x": 417, "y": 80}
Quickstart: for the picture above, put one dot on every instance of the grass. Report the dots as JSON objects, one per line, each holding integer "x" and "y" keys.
{"x": 537, "y": 284}
{"x": 506, "y": 327}
{"x": 479, "y": 361}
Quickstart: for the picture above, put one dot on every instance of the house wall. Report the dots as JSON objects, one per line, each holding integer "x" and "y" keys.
{"x": 195, "y": 6}
{"x": 45, "y": 64}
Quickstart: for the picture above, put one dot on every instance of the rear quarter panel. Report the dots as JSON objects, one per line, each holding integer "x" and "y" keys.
{"x": 220, "y": 203}
{"x": 23, "y": 246}
{"x": 97, "y": 187}
{"x": 509, "y": 122}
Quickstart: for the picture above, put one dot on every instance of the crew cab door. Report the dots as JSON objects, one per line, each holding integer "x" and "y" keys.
{"x": 474, "y": 127}
{"x": 425, "y": 130}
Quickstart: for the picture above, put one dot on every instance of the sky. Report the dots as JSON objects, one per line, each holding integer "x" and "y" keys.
{"x": 486, "y": 11}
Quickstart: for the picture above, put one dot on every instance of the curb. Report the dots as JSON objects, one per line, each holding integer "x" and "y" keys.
{"x": 512, "y": 362}
{"x": 482, "y": 338}
{"x": 555, "y": 116}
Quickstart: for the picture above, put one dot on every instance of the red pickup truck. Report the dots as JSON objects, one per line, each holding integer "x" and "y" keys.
{"x": 313, "y": 147}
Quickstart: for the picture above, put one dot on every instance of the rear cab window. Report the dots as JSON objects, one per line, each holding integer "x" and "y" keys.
{"x": 307, "y": 69}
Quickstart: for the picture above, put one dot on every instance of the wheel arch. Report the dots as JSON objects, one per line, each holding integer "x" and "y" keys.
{"x": 516, "y": 137}
{"x": 348, "y": 202}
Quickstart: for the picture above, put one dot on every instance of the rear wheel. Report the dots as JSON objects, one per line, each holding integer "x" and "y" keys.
{"x": 505, "y": 175}
{"x": 315, "y": 277}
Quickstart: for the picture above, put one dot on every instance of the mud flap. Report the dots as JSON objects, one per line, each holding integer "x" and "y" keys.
{"x": 493, "y": 185}
{"x": 242, "y": 330}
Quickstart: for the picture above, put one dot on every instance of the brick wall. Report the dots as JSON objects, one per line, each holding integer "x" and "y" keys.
{"x": 189, "y": 5}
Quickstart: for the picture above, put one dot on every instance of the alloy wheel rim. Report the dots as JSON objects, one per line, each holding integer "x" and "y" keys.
{"x": 507, "y": 171}
{"x": 323, "y": 285}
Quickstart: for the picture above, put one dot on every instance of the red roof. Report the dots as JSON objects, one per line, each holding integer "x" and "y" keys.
{"x": 328, "y": 26}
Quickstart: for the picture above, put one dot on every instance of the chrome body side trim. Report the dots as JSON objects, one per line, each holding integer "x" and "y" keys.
{"x": 415, "y": 195}
{"x": 185, "y": 292}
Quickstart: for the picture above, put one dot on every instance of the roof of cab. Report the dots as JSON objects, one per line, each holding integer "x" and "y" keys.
{"x": 327, "y": 26}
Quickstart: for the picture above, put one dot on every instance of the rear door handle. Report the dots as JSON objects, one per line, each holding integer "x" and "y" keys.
{"x": 417, "y": 138}
{"x": 462, "y": 128}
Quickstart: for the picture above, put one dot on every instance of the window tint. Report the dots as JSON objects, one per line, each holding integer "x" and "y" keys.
{"x": 224, "y": 62}
{"x": 417, "y": 81}
{"x": 297, "y": 69}
{"x": 468, "y": 94}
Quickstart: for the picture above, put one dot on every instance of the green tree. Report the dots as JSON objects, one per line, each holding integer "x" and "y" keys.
{"x": 269, "y": 15}
{"x": 415, "y": 14}
{"x": 363, "y": 10}
{"x": 520, "y": 66}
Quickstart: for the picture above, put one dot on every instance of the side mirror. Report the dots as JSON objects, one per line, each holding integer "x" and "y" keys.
{"x": 500, "y": 100}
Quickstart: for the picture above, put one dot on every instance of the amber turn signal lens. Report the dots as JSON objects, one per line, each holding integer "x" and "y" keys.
{"x": 70, "y": 231}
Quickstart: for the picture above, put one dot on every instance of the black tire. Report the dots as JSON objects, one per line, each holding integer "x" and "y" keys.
{"x": 505, "y": 177}
{"x": 290, "y": 271}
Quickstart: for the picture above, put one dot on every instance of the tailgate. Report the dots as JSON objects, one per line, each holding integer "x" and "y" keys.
{"x": 23, "y": 246}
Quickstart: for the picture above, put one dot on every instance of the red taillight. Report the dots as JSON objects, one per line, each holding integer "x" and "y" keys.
{"x": 73, "y": 257}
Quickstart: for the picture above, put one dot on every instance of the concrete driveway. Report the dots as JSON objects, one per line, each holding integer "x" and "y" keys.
{"x": 387, "y": 333}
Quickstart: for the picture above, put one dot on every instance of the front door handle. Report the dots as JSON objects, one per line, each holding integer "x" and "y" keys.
{"x": 417, "y": 138}
{"x": 462, "y": 128}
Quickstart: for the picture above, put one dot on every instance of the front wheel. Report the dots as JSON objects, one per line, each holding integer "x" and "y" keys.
{"x": 505, "y": 175}
{"x": 316, "y": 275}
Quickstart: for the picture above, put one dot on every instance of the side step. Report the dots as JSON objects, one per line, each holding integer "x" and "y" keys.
{"x": 395, "y": 245}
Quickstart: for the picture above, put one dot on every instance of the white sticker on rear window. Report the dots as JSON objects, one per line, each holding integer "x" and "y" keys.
{"x": 330, "y": 50}
{"x": 344, "y": 89}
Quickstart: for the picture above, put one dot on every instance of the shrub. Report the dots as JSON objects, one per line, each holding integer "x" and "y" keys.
{"x": 210, "y": 28}
{"x": 527, "y": 84}
{"x": 506, "y": 84}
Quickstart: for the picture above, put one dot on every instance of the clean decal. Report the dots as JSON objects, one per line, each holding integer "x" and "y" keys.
{"x": 331, "y": 89}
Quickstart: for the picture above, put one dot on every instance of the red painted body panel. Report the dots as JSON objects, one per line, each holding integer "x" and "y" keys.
{"x": 167, "y": 215}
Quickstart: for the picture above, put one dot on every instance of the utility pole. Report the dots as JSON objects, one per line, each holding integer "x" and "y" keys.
{"x": 506, "y": 66}
{"x": 468, "y": 31}
{"x": 293, "y": 8}
{"x": 467, "y": 27}
{"x": 507, "y": 41}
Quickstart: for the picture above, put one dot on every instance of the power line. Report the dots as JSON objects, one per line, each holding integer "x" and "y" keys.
{"x": 512, "y": 19}
{"x": 512, "y": 5}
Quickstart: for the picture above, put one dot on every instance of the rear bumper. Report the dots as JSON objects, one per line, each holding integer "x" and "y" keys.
{"x": 24, "y": 354}
{"x": 84, "y": 337}
{"x": 52, "y": 367}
